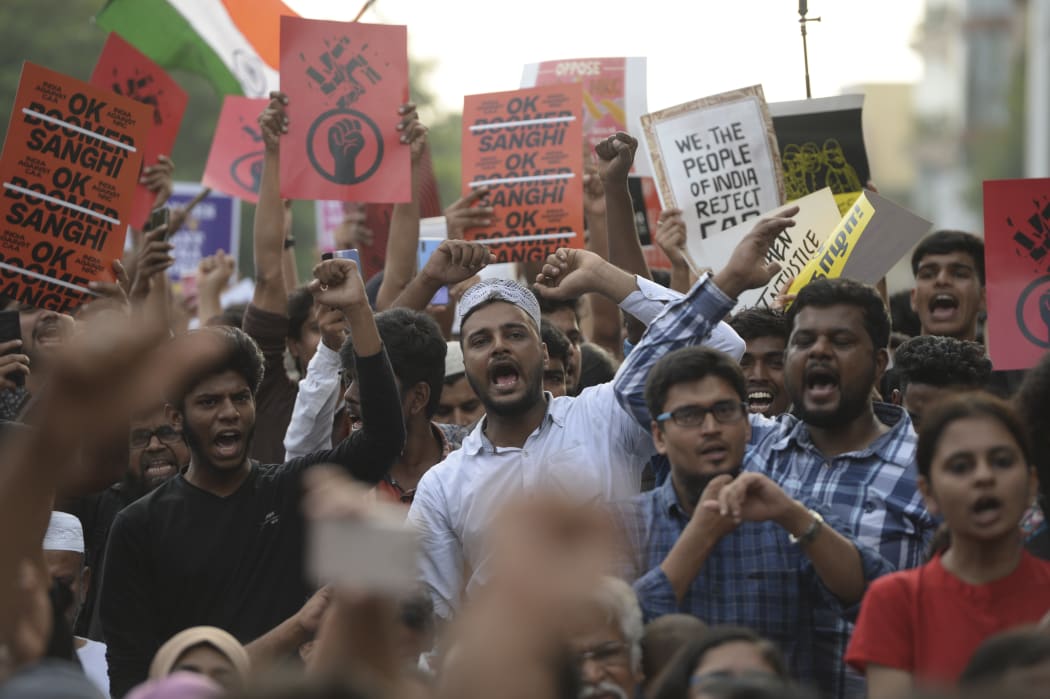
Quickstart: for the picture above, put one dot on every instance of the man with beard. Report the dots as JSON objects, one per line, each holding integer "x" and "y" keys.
{"x": 221, "y": 544}
{"x": 605, "y": 636}
{"x": 590, "y": 447}
{"x": 728, "y": 548}
{"x": 765, "y": 333}
{"x": 156, "y": 452}
{"x": 839, "y": 449}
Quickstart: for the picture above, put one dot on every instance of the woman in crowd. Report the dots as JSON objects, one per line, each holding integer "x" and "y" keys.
{"x": 726, "y": 652}
{"x": 205, "y": 650}
{"x": 921, "y": 626}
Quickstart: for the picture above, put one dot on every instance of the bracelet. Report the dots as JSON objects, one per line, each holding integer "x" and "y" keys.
{"x": 289, "y": 242}
{"x": 811, "y": 532}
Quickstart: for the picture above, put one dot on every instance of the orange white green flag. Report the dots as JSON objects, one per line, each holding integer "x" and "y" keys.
{"x": 235, "y": 44}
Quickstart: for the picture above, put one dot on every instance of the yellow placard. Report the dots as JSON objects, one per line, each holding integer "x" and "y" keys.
{"x": 830, "y": 258}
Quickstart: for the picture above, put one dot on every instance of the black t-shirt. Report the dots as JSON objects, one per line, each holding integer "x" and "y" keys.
{"x": 182, "y": 557}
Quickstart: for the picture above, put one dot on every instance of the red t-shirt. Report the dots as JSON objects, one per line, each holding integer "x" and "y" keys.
{"x": 929, "y": 622}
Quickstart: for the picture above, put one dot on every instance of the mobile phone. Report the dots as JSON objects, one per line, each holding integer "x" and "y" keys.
{"x": 161, "y": 216}
{"x": 376, "y": 554}
{"x": 11, "y": 329}
{"x": 427, "y": 246}
{"x": 345, "y": 254}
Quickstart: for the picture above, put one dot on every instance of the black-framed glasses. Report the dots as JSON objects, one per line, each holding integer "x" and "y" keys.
{"x": 725, "y": 412}
{"x": 606, "y": 655}
{"x": 140, "y": 439}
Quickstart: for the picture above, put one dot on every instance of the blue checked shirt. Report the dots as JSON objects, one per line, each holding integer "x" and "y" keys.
{"x": 873, "y": 491}
{"x": 754, "y": 577}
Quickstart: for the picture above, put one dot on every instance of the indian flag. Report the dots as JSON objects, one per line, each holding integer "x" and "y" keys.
{"x": 233, "y": 43}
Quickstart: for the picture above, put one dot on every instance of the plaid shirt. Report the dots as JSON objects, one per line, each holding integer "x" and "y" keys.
{"x": 754, "y": 577}
{"x": 873, "y": 491}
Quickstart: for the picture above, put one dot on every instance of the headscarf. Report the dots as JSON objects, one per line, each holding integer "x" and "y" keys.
{"x": 172, "y": 650}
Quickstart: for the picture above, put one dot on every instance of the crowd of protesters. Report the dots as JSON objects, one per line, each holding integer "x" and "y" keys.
{"x": 617, "y": 488}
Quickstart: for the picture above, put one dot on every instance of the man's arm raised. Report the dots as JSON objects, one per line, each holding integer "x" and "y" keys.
{"x": 268, "y": 230}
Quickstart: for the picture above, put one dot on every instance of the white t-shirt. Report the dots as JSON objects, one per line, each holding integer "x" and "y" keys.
{"x": 92, "y": 656}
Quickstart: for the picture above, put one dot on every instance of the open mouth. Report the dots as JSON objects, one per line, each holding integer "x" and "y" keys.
{"x": 715, "y": 452}
{"x": 228, "y": 443}
{"x": 821, "y": 384}
{"x": 759, "y": 400}
{"x": 987, "y": 509}
{"x": 48, "y": 332}
{"x": 504, "y": 376}
{"x": 943, "y": 306}
{"x": 158, "y": 468}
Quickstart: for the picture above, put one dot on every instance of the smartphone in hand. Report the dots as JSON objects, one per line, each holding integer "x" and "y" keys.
{"x": 161, "y": 216}
{"x": 11, "y": 329}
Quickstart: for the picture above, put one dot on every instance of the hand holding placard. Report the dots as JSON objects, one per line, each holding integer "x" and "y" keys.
{"x": 273, "y": 122}
{"x": 747, "y": 267}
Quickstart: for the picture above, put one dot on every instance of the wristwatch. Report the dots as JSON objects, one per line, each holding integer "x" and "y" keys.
{"x": 289, "y": 242}
{"x": 811, "y": 532}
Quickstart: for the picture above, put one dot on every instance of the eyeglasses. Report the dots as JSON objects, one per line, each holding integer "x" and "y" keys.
{"x": 725, "y": 412}
{"x": 606, "y": 655}
{"x": 140, "y": 439}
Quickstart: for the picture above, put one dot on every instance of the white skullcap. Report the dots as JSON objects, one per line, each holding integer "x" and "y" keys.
{"x": 499, "y": 290}
{"x": 64, "y": 533}
{"x": 454, "y": 360}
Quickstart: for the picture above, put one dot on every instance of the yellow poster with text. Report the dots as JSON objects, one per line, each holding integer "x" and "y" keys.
{"x": 831, "y": 257}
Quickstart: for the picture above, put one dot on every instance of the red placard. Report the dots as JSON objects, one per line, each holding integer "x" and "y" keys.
{"x": 236, "y": 157}
{"x": 124, "y": 70}
{"x": 1017, "y": 269}
{"x": 345, "y": 82}
{"x": 527, "y": 145}
{"x": 69, "y": 168}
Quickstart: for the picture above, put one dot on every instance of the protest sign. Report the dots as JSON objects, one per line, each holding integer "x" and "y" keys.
{"x": 872, "y": 236}
{"x": 816, "y": 218}
{"x": 123, "y": 69}
{"x": 716, "y": 159}
{"x": 527, "y": 146}
{"x": 345, "y": 82}
{"x": 1017, "y": 268}
{"x": 822, "y": 145}
{"x": 613, "y": 95}
{"x": 236, "y": 157}
{"x": 214, "y": 224}
{"x": 69, "y": 167}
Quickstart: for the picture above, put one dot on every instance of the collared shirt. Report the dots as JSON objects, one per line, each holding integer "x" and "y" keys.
{"x": 754, "y": 577}
{"x": 873, "y": 491}
{"x": 449, "y": 436}
{"x": 588, "y": 447}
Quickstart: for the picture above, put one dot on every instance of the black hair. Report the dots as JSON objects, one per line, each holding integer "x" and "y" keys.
{"x": 944, "y": 242}
{"x": 971, "y": 404}
{"x": 997, "y": 655}
{"x": 416, "y": 348}
{"x": 549, "y": 305}
{"x": 558, "y": 345}
{"x": 664, "y": 636}
{"x": 690, "y": 364}
{"x": 596, "y": 366}
{"x": 240, "y": 354}
{"x": 903, "y": 319}
{"x": 674, "y": 682}
{"x": 1031, "y": 401}
{"x": 300, "y": 306}
{"x": 824, "y": 292}
{"x": 942, "y": 362}
{"x": 752, "y": 323}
